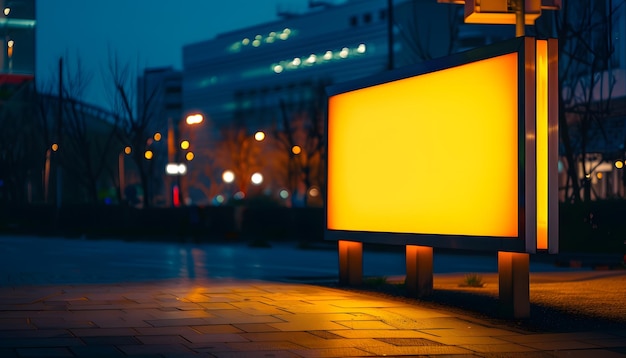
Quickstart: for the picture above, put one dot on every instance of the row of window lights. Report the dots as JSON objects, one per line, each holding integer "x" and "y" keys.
{"x": 260, "y": 39}
{"x": 317, "y": 59}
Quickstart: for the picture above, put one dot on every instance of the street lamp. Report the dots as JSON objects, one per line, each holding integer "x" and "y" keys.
{"x": 121, "y": 170}
{"x": 228, "y": 176}
{"x": 256, "y": 178}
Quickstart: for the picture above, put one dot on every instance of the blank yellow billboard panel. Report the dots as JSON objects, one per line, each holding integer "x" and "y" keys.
{"x": 430, "y": 154}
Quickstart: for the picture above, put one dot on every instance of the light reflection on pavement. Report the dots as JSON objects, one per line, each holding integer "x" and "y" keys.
{"x": 28, "y": 260}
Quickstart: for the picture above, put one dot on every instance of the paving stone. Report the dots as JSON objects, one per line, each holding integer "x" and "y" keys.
{"x": 255, "y": 327}
{"x": 164, "y": 331}
{"x": 210, "y": 338}
{"x": 307, "y": 325}
{"x": 606, "y": 342}
{"x": 380, "y": 333}
{"x": 586, "y": 353}
{"x": 218, "y": 328}
{"x": 280, "y": 336}
{"x": 332, "y": 352}
{"x": 560, "y": 345}
{"x": 47, "y": 352}
{"x": 500, "y": 348}
{"x": 416, "y": 350}
{"x": 35, "y": 333}
{"x": 355, "y": 324}
{"x": 15, "y": 324}
{"x": 40, "y": 342}
{"x": 94, "y": 332}
{"x": 262, "y": 354}
{"x": 179, "y": 322}
{"x": 409, "y": 342}
{"x": 173, "y": 339}
{"x": 97, "y": 351}
{"x": 326, "y": 334}
{"x": 158, "y": 349}
{"x": 263, "y": 346}
{"x": 109, "y": 340}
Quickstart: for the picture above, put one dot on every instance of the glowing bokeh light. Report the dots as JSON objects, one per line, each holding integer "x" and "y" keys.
{"x": 296, "y": 149}
{"x": 148, "y": 154}
{"x": 256, "y": 178}
{"x": 228, "y": 176}
{"x": 184, "y": 145}
{"x": 314, "y": 192}
{"x": 189, "y": 156}
{"x": 259, "y": 136}
{"x": 196, "y": 118}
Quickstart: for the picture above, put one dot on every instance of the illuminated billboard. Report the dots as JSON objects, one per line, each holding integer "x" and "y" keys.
{"x": 449, "y": 153}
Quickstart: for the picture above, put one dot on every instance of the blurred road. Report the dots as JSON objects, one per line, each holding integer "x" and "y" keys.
{"x": 28, "y": 260}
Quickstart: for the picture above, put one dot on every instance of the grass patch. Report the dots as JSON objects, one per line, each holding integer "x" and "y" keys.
{"x": 472, "y": 280}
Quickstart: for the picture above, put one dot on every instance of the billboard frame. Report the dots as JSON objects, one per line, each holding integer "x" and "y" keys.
{"x": 526, "y": 239}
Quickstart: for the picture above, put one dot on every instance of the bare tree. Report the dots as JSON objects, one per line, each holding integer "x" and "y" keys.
{"x": 85, "y": 152}
{"x": 417, "y": 28}
{"x": 133, "y": 125}
{"x": 301, "y": 138}
{"x": 586, "y": 79}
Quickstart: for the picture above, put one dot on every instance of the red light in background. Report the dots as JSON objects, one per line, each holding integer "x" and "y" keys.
{"x": 176, "y": 196}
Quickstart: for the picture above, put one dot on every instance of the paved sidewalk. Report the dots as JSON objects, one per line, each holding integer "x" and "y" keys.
{"x": 239, "y": 318}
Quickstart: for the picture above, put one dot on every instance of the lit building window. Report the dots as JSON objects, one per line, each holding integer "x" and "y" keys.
{"x": 315, "y": 59}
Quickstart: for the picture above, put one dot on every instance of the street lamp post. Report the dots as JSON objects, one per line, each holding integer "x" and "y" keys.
{"x": 174, "y": 166}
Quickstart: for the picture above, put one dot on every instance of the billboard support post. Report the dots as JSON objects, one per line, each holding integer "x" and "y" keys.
{"x": 513, "y": 284}
{"x": 350, "y": 263}
{"x": 419, "y": 270}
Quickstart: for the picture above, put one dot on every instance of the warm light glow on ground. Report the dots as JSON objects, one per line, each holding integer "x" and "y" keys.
{"x": 432, "y": 154}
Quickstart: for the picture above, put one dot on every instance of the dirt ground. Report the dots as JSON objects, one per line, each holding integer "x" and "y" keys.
{"x": 560, "y": 301}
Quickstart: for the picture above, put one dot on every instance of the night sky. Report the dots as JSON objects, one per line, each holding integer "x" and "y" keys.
{"x": 143, "y": 33}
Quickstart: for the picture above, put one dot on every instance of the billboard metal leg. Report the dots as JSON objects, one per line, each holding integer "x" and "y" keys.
{"x": 350, "y": 262}
{"x": 419, "y": 270}
{"x": 514, "y": 284}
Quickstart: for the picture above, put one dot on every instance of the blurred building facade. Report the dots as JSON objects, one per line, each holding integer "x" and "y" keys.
{"x": 262, "y": 77}
{"x": 17, "y": 22}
